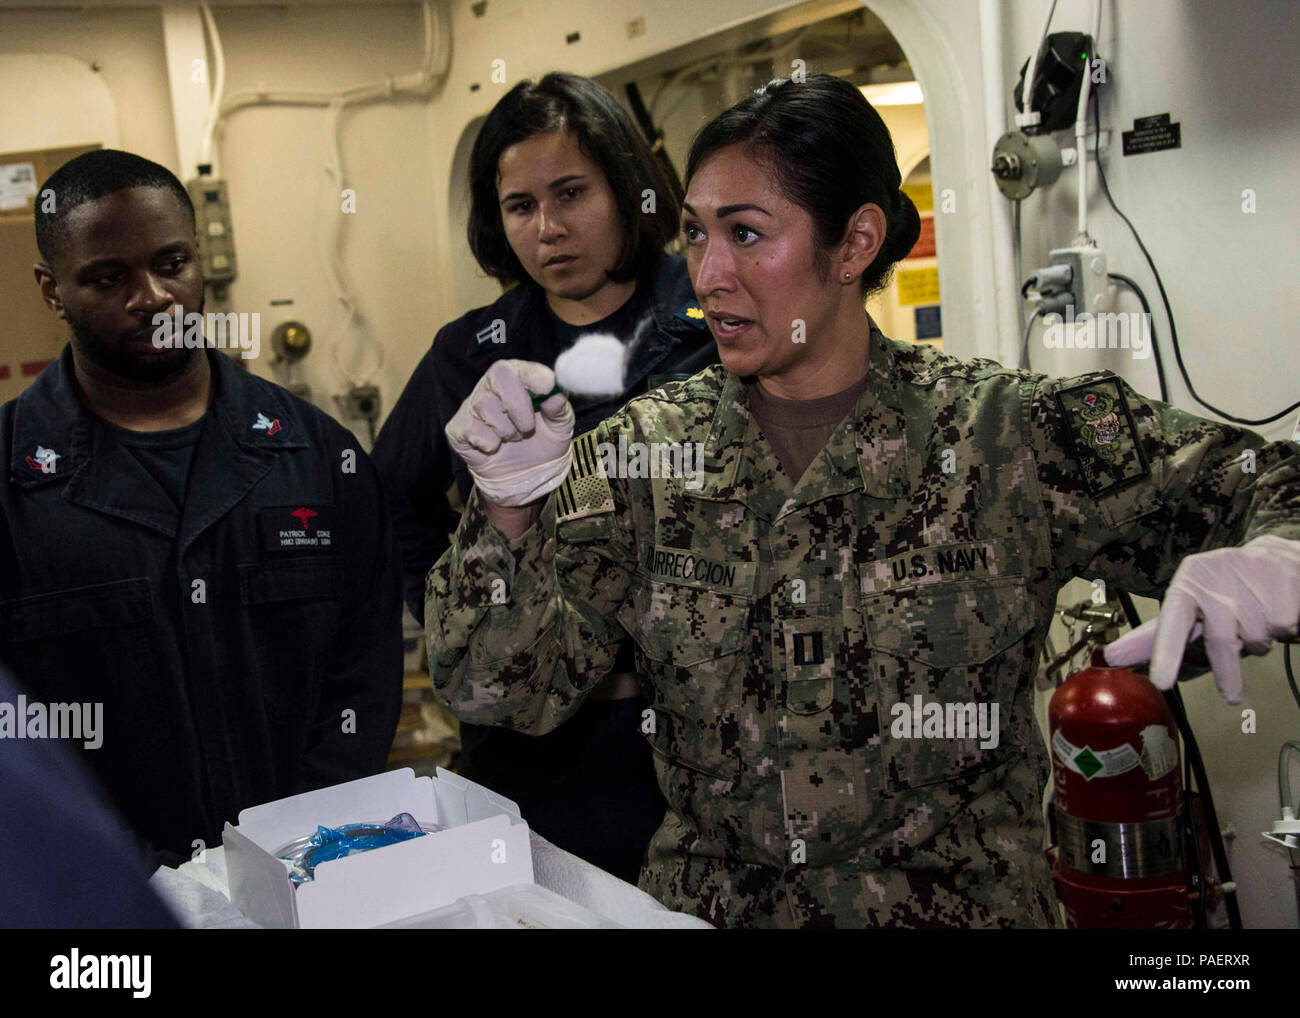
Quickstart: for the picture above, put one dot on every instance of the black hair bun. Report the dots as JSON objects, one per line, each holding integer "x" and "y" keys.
{"x": 904, "y": 228}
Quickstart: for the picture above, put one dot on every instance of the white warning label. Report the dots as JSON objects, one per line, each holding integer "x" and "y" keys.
{"x": 1095, "y": 763}
{"x": 1159, "y": 751}
{"x": 17, "y": 184}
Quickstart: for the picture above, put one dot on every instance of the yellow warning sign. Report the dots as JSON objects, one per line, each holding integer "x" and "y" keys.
{"x": 922, "y": 196}
{"x": 918, "y": 286}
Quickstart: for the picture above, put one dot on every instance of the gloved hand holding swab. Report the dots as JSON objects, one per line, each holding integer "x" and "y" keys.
{"x": 593, "y": 366}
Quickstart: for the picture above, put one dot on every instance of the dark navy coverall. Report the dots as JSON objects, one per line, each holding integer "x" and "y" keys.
{"x": 246, "y": 648}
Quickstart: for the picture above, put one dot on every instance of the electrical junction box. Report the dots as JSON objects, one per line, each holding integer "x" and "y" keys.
{"x": 1089, "y": 284}
{"x": 214, "y": 227}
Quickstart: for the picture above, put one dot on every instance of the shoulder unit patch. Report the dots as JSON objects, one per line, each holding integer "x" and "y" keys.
{"x": 586, "y": 490}
{"x": 1103, "y": 434}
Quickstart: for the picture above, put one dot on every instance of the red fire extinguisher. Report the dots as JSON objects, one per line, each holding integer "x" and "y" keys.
{"x": 1120, "y": 860}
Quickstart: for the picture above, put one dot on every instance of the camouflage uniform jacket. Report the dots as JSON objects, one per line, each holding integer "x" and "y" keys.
{"x": 782, "y": 629}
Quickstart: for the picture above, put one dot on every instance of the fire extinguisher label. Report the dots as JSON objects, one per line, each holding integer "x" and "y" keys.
{"x": 1159, "y": 751}
{"x": 1095, "y": 763}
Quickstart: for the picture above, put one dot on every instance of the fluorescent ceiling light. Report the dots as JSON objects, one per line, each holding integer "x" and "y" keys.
{"x": 893, "y": 93}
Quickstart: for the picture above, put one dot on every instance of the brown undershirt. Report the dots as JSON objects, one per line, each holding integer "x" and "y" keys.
{"x": 797, "y": 429}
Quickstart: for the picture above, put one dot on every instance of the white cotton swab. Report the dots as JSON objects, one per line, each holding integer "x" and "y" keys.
{"x": 593, "y": 366}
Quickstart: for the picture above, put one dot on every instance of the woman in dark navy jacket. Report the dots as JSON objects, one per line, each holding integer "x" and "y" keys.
{"x": 571, "y": 212}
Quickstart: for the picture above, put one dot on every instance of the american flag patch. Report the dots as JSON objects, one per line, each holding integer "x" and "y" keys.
{"x": 586, "y": 490}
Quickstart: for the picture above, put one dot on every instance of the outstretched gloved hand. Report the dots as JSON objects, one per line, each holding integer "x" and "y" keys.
{"x": 516, "y": 453}
{"x": 1236, "y": 598}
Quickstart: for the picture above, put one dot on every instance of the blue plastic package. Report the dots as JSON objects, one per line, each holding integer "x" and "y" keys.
{"x": 305, "y": 854}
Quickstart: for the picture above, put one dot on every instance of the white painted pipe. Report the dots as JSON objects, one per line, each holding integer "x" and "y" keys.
{"x": 1006, "y": 288}
{"x": 1081, "y": 123}
{"x": 1026, "y": 118}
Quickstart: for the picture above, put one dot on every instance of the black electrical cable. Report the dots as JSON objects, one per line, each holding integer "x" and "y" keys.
{"x": 1130, "y": 609}
{"x": 1155, "y": 349}
{"x": 1290, "y": 675}
{"x": 1169, "y": 313}
{"x": 1192, "y": 759}
{"x": 1201, "y": 907}
{"x": 1290, "y": 747}
{"x": 1193, "y": 846}
{"x": 1024, "y": 343}
{"x": 654, "y": 136}
{"x": 1018, "y": 244}
{"x": 1175, "y": 700}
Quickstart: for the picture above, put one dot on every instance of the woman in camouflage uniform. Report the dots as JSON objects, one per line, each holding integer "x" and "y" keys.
{"x": 839, "y": 614}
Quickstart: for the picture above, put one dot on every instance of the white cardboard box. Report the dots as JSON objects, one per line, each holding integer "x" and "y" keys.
{"x": 524, "y": 906}
{"x": 485, "y": 848}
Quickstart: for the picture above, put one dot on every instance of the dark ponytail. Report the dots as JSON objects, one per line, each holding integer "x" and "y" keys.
{"x": 830, "y": 154}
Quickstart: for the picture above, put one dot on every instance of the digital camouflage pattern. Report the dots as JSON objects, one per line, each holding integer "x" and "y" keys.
{"x": 777, "y": 625}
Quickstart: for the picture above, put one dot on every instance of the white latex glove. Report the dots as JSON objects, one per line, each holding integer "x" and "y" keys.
{"x": 1236, "y": 597}
{"x": 515, "y": 453}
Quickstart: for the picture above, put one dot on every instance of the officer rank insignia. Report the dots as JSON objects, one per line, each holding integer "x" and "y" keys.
{"x": 1102, "y": 434}
{"x": 585, "y": 491}
{"x": 692, "y": 313}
